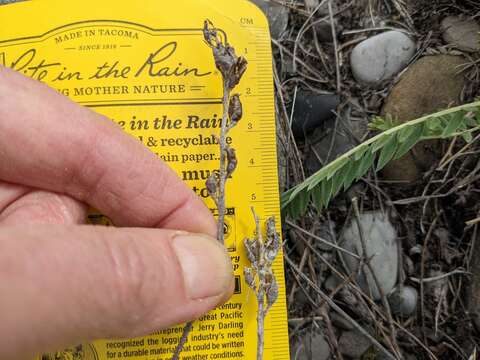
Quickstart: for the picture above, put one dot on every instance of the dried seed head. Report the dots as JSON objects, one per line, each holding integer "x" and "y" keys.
{"x": 210, "y": 34}
{"x": 235, "y": 110}
{"x": 251, "y": 246}
{"x": 231, "y": 161}
{"x": 224, "y": 54}
{"x": 227, "y": 62}
{"x": 250, "y": 278}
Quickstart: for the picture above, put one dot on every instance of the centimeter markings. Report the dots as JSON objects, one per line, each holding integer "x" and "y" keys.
{"x": 266, "y": 152}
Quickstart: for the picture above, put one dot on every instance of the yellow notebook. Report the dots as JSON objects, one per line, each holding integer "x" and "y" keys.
{"x": 145, "y": 65}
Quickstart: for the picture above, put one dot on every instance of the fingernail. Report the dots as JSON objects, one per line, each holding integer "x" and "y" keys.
{"x": 206, "y": 266}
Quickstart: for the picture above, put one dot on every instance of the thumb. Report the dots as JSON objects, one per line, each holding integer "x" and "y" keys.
{"x": 65, "y": 285}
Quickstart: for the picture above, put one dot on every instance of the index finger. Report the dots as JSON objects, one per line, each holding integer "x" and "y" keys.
{"x": 49, "y": 142}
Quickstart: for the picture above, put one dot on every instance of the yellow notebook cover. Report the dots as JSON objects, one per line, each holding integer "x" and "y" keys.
{"x": 145, "y": 65}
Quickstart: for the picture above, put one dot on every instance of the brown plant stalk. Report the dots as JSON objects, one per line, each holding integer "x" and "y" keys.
{"x": 232, "y": 69}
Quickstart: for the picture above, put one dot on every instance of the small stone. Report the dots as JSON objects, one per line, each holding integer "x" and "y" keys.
{"x": 277, "y": 16}
{"x": 311, "y": 110}
{"x": 408, "y": 265}
{"x": 332, "y": 283}
{"x": 320, "y": 350}
{"x": 403, "y": 301}
{"x": 461, "y": 32}
{"x": 382, "y": 250}
{"x": 353, "y": 344}
{"x": 326, "y": 144}
{"x": 381, "y": 57}
{"x": 313, "y": 346}
{"x": 431, "y": 84}
{"x": 324, "y": 30}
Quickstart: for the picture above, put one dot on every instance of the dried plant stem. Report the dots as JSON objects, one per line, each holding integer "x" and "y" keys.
{"x": 186, "y": 331}
{"x": 223, "y": 157}
{"x": 261, "y": 313}
{"x": 232, "y": 69}
{"x": 260, "y": 329}
{"x": 259, "y": 277}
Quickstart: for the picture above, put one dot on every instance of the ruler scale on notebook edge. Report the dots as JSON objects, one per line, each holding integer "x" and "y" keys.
{"x": 145, "y": 66}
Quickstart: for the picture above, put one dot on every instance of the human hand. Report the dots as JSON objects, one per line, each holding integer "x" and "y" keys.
{"x": 63, "y": 283}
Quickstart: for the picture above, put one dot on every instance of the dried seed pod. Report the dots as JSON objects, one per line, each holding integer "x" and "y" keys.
{"x": 231, "y": 161}
{"x": 235, "y": 110}
{"x": 271, "y": 253}
{"x": 272, "y": 292}
{"x": 210, "y": 34}
{"x": 224, "y": 54}
{"x": 250, "y": 278}
{"x": 238, "y": 70}
{"x": 225, "y": 60}
{"x": 212, "y": 185}
{"x": 251, "y": 246}
{"x": 272, "y": 246}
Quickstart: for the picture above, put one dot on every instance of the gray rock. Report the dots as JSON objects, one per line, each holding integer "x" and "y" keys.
{"x": 327, "y": 143}
{"x": 277, "y": 16}
{"x": 463, "y": 33}
{"x": 353, "y": 344}
{"x": 403, "y": 301}
{"x": 311, "y": 110}
{"x": 382, "y": 248}
{"x": 381, "y": 57}
{"x": 314, "y": 347}
{"x": 332, "y": 282}
{"x": 319, "y": 348}
{"x": 324, "y": 31}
